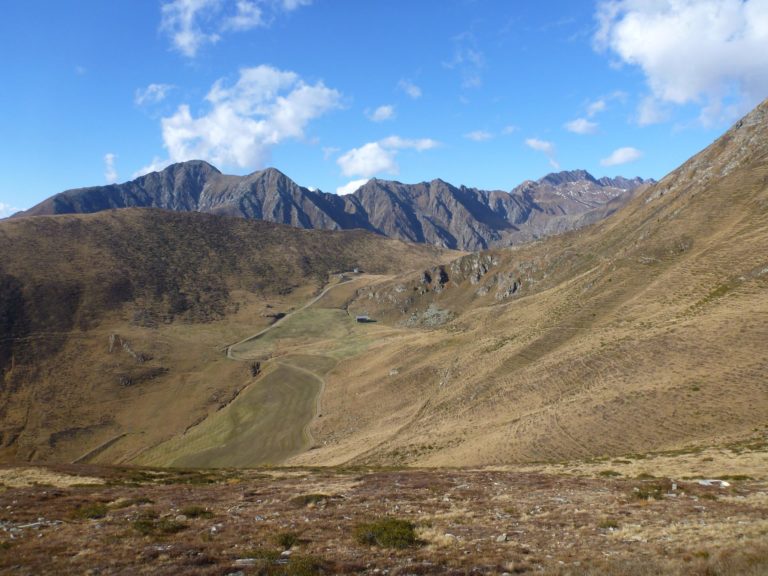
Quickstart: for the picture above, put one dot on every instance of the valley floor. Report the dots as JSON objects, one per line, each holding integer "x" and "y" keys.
{"x": 578, "y": 519}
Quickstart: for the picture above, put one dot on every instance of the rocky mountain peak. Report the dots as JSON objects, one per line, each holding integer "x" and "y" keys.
{"x": 434, "y": 212}
{"x": 270, "y": 173}
{"x": 567, "y": 176}
{"x": 190, "y": 167}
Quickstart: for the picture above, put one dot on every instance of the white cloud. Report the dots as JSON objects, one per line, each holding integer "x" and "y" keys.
{"x": 596, "y": 107}
{"x": 419, "y": 144}
{"x": 248, "y": 16}
{"x": 621, "y": 156}
{"x": 246, "y": 120}
{"x": 468, "y": 59}
{"x": 478, "y": 135}
{"x": 110, "y": 172}
{"x": 509, "y": 129}
{"x": 329, "y": 151}
{"x": 701, "y": 51}
{"x": 7, "y": 210}
{"x": 540, "y": 145}
{"x": 152, "y": 94}
{"x": 193, "y": 24}
{"x": 546, "y": 147}
{"x": 379, "y": 157}
{"x": 382, "y": 113}
{"x": 601, "y": 104}
{"x": 180, "y": 20}
{"x": 367, "y": 160}
{"x": 351, "y": 187}
{"x": 289, "y": 5}
{"x": 410, "y": 89}
{"x": 581, "y": 126}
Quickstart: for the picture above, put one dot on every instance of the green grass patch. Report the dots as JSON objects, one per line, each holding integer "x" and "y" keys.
{"x": 608, "y": 524}
{"x": 309, "y": 499}
{"x": 653, "y": 491}
{"x": 263, "y": 425}
{"x": 302, "y": 566}
{"x": 387, "y": 533}
{"x": 645, "y": 476}
{"x": 148, "y": 524}
{"x": 91, "y": 511}
{"x": 268, "y": 563}
{"x": 287, "y": 540}
{"x": 196, "y": 512}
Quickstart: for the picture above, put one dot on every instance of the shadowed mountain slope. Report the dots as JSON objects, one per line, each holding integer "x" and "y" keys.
{"x": 433, "y": 212}
{"x": 107, "y": 318}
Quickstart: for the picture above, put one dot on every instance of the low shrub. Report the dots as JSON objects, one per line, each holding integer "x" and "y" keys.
{"x": 272, "y": 563}
{"x": 309, "y": 499}
{"x": 387, "y": 533}
{"x": 287, "y": 540}
{"x": 148, "y": 524}
{"x": 648, "y": 492}
{"x": 608, "y": 524}
{"x": 196, "y": 512}
{"x": 91, "y": 511}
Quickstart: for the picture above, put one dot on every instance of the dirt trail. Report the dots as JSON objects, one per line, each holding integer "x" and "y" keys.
{"x": 284, "y": 318}
{"x": 268, "y": 421}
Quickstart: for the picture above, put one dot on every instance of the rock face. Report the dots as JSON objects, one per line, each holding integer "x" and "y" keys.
{"x": 433, "y": 212}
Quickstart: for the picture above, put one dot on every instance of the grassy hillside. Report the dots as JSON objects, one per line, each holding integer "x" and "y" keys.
{"x": 111, "y": 324}
{"x": 129, "y": 335}
{"x": 645, "y": 332}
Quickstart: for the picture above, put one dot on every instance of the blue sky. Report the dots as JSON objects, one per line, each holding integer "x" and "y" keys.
{"x": 484, "y": 93}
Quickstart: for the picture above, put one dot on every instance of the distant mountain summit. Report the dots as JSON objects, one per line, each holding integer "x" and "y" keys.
{"x": 433, "y": 212}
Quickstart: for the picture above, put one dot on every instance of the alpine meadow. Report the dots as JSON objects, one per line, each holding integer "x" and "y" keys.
{"x": 446, "y": 288}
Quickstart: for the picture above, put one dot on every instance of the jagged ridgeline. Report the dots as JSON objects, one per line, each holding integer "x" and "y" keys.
{"x": 433, "y": 212}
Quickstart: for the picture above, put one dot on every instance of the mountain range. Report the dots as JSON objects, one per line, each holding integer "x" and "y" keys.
{"x": 179, "y": 338}
{"x": 433, "y": 212}
{"x": 132, "y": 336}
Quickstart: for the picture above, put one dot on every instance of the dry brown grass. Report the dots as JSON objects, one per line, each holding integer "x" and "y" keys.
{"x": 644, "y": 333}
{"x": 112, "y": 323}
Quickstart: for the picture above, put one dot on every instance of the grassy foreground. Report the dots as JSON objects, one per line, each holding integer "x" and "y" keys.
{"x": 87, "y": 519}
